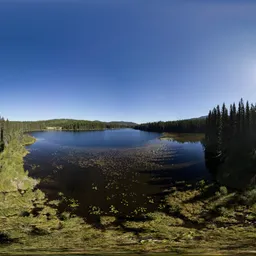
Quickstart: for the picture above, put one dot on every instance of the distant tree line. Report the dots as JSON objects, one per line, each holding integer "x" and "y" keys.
{"x": 9, "y": 128}
{"x": 66, "y": 124}
{"x": 195, "y": 125}
{"x": 230, "y": 141}
{"x": 88, "y": 125}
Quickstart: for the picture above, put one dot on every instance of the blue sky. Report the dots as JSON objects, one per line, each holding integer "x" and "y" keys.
{"x": 125, "y": 60}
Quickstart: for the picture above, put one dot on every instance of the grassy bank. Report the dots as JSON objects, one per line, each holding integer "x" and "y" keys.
{"x": 203, "y": 218}
{"x": 28, "y": 140}
{"x": 183, "y": 137}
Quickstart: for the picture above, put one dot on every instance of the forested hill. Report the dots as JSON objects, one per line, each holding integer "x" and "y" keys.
{"x": 123, "y": 123}
{"x": 193, "y": 125}
{"x": 68, "y": 124}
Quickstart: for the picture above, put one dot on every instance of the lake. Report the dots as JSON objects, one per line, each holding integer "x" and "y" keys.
{"x": 125, "y": 172}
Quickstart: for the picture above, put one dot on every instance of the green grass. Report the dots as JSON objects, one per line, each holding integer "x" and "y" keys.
{"x": 28, "y": 140}
{"x": 183, "y": 137}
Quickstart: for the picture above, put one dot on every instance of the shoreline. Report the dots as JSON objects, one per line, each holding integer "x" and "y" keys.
{"x": 159, "y": 233}
{"x": 28, "y": 140}
{"x": 78, "y": 130}
{"x": 182, "y": 137}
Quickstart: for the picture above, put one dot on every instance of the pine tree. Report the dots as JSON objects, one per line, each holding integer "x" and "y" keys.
{"x": 208, "y": 127}
{"x": 234, "y": 121}
{"x": 224, "y": 131}
{"x": 242, "y": 117}
{"x": 219, "y": 130}
{"x": 253, "y": 125}
{"x": 247, "y": 121}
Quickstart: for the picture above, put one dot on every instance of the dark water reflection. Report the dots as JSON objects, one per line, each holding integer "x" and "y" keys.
{"x": 120, "y": 172}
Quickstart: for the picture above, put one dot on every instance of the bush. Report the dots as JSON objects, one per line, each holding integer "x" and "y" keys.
{"x": 223, "y": 190}
{"x": 201, "y": 183}
{"x": 249, "y": 197}
{"x": 107, "y": 220}
{"x": 217, "y": 193}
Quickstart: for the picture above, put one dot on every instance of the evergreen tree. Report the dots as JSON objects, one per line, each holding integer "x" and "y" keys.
{"x": 234, "y": 121}
{"x": 231, "y": 140}
{"x": 223, "y": 131}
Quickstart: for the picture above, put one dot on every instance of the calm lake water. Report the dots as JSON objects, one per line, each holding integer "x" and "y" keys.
{"x": 123, "y": 171}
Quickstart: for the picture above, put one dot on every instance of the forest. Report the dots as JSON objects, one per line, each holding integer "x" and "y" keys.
{"x": 194, "y": 125}
{"x": 230, "y": 143}
{"x": 65, "y": 124}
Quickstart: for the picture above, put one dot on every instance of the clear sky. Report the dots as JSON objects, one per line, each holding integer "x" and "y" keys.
{"x": 133, "y": 60}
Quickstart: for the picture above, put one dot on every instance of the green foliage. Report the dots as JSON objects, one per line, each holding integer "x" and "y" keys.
{"x": 249, "y": 196}
{"x": 67, "y": 124}
{"x": 95, "y": 210}
{"x": 202, "y": 183}
{"x": 183, "y": 137}
{"x": 209, "y": 205}
{"x": 223, "y": 190}
{"x": 195, "y": 125}
{"x": 107, "y": 220}
{"x": 112, "y": 209}
{"x": 230, "y": 144}
{"x": 27, "y": 139}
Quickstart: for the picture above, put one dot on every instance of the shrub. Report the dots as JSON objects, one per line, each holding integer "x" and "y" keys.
{"x": 107, "y": 220}
{"x": 217, "y": 193}
{"x": 223, "y": 190}
{"x": 201, "y": 183}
